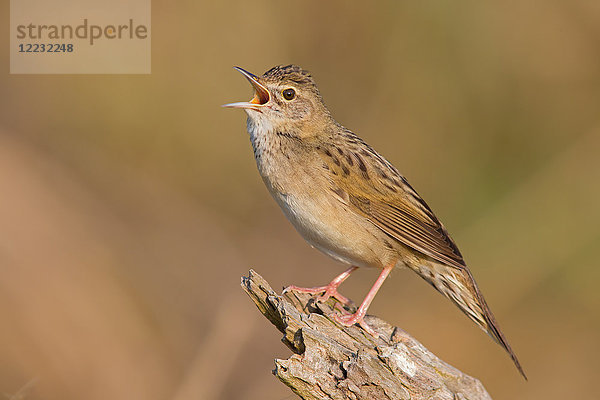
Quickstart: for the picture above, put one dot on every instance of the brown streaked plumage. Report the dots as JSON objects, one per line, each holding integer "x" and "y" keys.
{"x": 348, "y": 201}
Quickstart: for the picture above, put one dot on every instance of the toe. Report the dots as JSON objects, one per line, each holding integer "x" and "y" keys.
{"x": 352, "y": 319}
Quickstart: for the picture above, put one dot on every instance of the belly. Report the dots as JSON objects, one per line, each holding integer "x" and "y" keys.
{"x": 326, "y": 224}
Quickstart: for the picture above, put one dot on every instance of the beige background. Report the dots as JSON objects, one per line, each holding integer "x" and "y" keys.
{"x": 130, "y": 205}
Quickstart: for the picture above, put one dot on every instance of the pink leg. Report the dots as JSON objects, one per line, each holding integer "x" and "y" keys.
{"x": 359, "y": 315}
{"x": 330, "y": 290}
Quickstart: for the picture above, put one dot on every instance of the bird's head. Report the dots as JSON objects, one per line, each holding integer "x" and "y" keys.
{"x": 286, "y": 99}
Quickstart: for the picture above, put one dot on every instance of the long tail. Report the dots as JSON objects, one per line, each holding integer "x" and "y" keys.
{"x": 459, "y": 286}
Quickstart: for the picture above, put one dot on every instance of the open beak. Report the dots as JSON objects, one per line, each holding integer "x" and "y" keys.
{"x": 261, "y": 94}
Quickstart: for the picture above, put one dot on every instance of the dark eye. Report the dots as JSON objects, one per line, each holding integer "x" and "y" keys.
{"x": 289, "y": 94}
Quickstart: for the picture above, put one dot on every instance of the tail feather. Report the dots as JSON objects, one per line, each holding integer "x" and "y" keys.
{"x": 459, "y": 286}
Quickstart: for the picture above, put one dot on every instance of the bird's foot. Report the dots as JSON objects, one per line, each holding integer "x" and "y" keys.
{"x": 356, "y": 318}
{"x": 328, "y": 291}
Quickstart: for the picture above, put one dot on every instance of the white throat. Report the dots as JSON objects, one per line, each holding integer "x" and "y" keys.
{"x": 262, "y": 134}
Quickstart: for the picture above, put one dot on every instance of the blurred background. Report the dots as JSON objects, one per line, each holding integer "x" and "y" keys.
{"x": 130, "y": 205}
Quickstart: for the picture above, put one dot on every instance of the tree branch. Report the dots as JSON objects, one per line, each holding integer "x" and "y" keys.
{"x": 336, "y": 362}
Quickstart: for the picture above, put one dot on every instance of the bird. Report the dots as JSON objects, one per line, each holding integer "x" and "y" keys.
{"x": 348, "y": 201}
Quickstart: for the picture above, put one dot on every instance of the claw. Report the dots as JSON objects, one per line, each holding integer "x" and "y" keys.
{"x": 351, "y": 319}
{"x": 328, "y": 291}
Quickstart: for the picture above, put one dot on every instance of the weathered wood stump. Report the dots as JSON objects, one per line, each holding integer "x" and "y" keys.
{"x": 336, "y": 362}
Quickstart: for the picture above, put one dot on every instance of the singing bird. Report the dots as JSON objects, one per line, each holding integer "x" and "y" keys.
{"x": 348, "y": 201}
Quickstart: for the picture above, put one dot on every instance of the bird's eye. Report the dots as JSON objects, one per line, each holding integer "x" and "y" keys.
{"x": 289, "y": 94}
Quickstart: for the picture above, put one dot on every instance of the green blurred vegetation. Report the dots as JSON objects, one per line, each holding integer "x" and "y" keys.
{"x": 130, "y": 205}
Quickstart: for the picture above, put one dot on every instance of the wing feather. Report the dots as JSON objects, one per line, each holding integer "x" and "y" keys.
{"x": 424, "y": 234}
{"x": 372, "y": 187}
